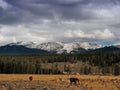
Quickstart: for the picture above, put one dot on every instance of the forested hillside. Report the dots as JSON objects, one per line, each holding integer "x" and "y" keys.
{"x": 90, "y": 63}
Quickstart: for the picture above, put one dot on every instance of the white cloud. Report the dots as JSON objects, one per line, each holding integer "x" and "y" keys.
{"x": 106, "y": 34}
{"x": 4, "y": 4}
{"x": 96, "y": 34}
{"x": 17, "y": 33}
{"x": 77, "y": 34}
{"x": 104, "y": 13}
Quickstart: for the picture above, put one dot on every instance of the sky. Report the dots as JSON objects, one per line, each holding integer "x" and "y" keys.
{"x": 60, "y": 20}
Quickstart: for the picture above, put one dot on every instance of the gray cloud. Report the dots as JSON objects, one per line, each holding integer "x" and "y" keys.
{"x": 51, "y": 20}
{"x": 63, "y": 9}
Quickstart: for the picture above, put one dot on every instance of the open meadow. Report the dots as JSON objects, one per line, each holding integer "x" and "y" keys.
{"x": 58, "y": 82}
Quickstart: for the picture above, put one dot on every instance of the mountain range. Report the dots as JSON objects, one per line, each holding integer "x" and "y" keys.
{"x": 56, "y": 48}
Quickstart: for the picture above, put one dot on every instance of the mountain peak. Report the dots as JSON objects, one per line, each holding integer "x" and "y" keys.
{"x": 28, "y": 44}
{"x": 116, "y": 45}
{"x": 58, "y": 47}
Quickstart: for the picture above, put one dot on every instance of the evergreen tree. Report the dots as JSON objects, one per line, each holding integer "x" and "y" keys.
{"x": 116, "y": 70}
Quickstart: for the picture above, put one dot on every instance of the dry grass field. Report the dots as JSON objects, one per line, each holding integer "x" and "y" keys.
{"x": 58, "y": 82}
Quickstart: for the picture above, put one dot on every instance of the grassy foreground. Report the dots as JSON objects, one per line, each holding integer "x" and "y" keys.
{"x": 58, "y": 82}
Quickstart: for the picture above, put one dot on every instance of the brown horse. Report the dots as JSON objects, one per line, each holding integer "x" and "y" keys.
{"x": 74, "y": 80}
{"x": 30, "y": 78}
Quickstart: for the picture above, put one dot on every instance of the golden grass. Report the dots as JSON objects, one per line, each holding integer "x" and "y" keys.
{"x": 88, "y": 81}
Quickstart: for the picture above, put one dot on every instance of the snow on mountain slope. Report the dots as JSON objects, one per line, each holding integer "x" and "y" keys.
{"x": 68, "y": 47}
{"x": 26, "y": 44}
{"x": 58, "y": 47}
{"x": 116, "y": 45}
{"x": 50, "y": 46}
{"x": 71, "y": 46}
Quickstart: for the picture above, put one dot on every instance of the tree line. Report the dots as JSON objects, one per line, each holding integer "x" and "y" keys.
{"x": 89, "y": 63}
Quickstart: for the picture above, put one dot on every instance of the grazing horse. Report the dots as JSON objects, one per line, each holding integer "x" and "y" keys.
{"x": 30, "y": 78}
{"x": 73, "y": 80}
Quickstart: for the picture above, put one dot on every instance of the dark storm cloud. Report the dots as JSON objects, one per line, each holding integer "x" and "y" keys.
{"x": 49, "y": 9}
{"x": 83, "y": 20}
{"x": 117, "y": 25}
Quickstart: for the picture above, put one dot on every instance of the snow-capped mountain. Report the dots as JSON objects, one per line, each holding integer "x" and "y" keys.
{"x": 116, "y": 45}
{"x": 58, "y": 47}
{"x": 76, "y": 45}
{"x": 26, "y": 44}
{"x": 50, "y": 46}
